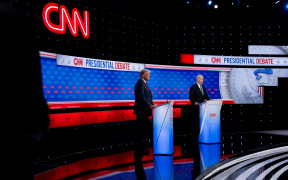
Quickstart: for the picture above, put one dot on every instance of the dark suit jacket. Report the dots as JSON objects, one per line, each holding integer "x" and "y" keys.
{"x": 143, "y": 99}
{"x": 195, "y": 94}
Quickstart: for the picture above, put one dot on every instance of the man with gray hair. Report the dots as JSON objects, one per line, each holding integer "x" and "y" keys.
{"x": 197, "y": 95}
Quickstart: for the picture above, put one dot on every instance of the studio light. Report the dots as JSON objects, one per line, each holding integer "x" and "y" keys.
{"x": 209, "y": 2}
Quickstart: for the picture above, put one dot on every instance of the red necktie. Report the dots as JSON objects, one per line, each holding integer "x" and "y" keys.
{"x": 147, "y": 84}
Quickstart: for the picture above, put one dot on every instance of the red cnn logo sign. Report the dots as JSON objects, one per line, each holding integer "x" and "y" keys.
{"x": 65, "y": 19}
{"x": 216, "y": 59}
{"x": 78, "y": 61}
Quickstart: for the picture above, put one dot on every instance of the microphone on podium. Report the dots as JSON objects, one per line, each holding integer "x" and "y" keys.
{"x": 164, "y": 94}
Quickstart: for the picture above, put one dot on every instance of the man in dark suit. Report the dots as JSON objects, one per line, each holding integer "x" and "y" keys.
{"x": 143, "y": 109}
{"x": 197, "y": 95}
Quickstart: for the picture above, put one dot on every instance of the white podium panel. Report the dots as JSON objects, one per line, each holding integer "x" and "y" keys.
{"x": 210, "y": 127}
{"x": 163, "y": 129}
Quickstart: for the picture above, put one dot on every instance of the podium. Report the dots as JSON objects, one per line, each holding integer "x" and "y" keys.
{"x": 210, "y": 127}
{"x": 163, "y": 142}
{"x": 209, "y": 155}
{"x": 163, "y": 129}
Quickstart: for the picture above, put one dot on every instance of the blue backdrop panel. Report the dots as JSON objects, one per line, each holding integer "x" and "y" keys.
{"x": 65, "y": 83}
{"x": 177, "y": 83}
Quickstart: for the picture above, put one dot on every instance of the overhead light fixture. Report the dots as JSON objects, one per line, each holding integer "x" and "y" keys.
{"x": 209, "y": 2}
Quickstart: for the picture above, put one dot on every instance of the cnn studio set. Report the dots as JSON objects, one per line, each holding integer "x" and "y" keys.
{"x": 144, "y": 90}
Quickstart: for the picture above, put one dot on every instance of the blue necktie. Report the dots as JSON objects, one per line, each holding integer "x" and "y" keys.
{"x": 201, "y": 90}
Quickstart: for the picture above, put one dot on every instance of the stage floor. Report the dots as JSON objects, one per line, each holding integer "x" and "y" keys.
{"x": 191, "y": 159}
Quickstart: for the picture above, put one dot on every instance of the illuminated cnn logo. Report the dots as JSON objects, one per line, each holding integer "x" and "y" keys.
{"x": 65, "y": 19}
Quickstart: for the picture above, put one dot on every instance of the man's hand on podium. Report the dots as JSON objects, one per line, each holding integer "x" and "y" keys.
{"x": 153, "y": 106}
{"x": 198, "y": 104}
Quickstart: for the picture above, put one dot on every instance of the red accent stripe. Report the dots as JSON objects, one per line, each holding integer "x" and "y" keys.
{"x": 110, "y": 161}
{"x": 226, "y": 156}
{"x": 261, "y": 91}
{"x": 94, "y": 117}
{"x": 98, "y": 163}
{"x": 228, "y": 101}
{"x": 187, "y": 58}
{"x": 107, "y": 173}
{"x": 48, "y": 55}
{"x": 187, "y": 68}
{"x": 65, "y": 105}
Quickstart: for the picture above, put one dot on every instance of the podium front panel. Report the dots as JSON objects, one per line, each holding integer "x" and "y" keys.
{"x": 163, "y": 167}
{"x": 163, "y": 129}
{"x": 209, "y": 155}
{"x": 210, "y": 127}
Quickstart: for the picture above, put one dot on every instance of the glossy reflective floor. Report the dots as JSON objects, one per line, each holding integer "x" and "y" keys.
{"x": 227, "y": 160}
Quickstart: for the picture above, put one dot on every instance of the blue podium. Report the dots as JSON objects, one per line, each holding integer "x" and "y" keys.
{"x": 210, "y": 127}
{"x": 163, "y": 141}
{"x": 163, "y": 129}
{"x": 163, "y": 167}
{"x": 209, "y": 155}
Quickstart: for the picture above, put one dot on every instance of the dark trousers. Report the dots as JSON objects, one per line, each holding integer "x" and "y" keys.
{"x": 196, "y": 155}
{"x": 139, "y": 146}
{"x": 195, "y": 122}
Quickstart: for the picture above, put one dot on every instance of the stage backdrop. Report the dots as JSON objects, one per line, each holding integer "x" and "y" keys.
{"x": 69, "y": 80}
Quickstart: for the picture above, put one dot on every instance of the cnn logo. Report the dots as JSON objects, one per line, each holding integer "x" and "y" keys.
{"x": 65, "y": 19}
{"x": 216, "y": 59}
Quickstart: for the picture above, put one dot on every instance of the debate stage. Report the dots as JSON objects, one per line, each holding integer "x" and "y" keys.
{"x": 250, "y": 155}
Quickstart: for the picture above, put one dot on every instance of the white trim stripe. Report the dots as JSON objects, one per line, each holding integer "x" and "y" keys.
{"x": 47, "y": 54}
{"x": 186, "y": 68}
